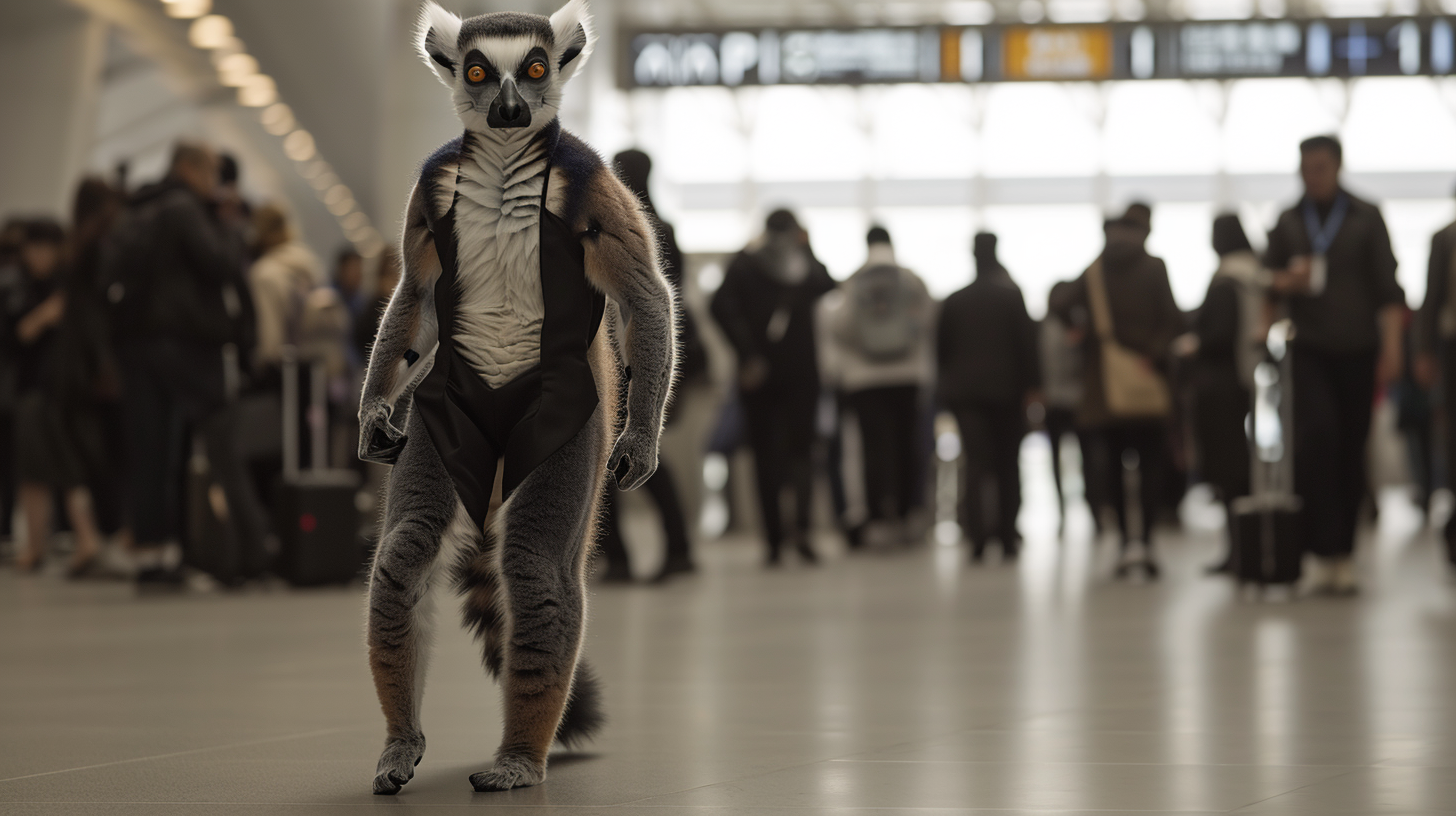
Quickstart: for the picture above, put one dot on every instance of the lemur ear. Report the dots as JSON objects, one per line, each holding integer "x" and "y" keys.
{"x": 572, "y": 28}
{"x": 437, "y": 35}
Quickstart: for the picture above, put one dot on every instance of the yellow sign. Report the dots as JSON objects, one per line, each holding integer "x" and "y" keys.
{"x": 1057, "y": 52}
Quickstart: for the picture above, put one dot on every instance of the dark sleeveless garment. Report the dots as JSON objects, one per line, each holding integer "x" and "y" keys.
{"x": 472, "y": 425}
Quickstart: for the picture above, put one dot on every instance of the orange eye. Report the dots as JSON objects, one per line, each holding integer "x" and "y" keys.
{"x": 475, "y": 74}
{"x": 536, "y": 70}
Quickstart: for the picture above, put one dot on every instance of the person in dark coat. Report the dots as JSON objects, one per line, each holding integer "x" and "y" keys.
{"x": 1223, "y": 369}
{"x": 56, "y": 442}
{"x": 1145, "y": 321}
{"x": 1331, "y": 259}
{"x": 182, "y": 301}
{"x": 633, "y": 166}
{"x": 1435, "y": 349}
{"x": 988, "y": 370}
{"x": 766, "y": 308}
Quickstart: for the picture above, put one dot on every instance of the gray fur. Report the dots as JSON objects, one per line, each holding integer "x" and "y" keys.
{"x": 523, "y": 579}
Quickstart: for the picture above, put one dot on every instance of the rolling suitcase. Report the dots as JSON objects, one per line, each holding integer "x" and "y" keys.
{"x": 1267, "y": 545}
{"x": 316, "y": 516}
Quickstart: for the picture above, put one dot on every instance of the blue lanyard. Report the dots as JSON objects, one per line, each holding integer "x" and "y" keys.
{"x": 1322, "y": 236}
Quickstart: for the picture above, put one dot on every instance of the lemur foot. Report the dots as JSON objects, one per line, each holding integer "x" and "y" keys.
{"x": 510, "y": 771}
{"x": 397, "y": 764}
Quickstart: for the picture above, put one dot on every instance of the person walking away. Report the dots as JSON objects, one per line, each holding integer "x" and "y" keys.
{"x": 180, "y": 309}
{"x": 766, "y": 308}
{"x": 876, "y": 350}
{"x": 1229, "y": 328}
{"x": 1435, "y": 347}
{"x": 1334, "y": 267}
{"x": 57, "y": 442}
{"x": 1123, "y": 305}
{"x": 988, "y": 371}
{"x": 634, "y": 167}
{"x": 1061, "y": 367}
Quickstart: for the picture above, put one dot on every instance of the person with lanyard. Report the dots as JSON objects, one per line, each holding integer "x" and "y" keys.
{"x": 1332, "y": 262}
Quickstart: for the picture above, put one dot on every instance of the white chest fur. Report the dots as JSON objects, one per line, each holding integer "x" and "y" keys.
{"x": 500, "y": 308}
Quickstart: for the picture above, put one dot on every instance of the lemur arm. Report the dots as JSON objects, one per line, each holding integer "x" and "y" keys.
{"x": 407, "y": 335}
{"x": 622, "y": 262}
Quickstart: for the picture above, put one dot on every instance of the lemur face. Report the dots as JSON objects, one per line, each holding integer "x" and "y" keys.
{"x": 506, "y": 70}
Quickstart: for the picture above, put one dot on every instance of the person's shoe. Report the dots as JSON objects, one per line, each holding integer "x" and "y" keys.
{"x": 81, "y": 567}
{"x": 674, "y": 566}
{"x": 774, "y": 560}
{"x": 160, "y": 579}
{"x": 1151, "y": 569}
{"x": 1344, "y": 580}
{"x": 1010, "y": 555}
{"x": 807, "y": 553}
{"x": 1319, "y": 576}
{"x": 1224, "y": 567}
{"x": 978, "y": 553}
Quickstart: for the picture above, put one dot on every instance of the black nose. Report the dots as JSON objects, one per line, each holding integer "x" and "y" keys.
{"x": 509, "y": 109}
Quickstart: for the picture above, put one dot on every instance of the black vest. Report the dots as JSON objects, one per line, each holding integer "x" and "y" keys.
{"x": 472, "y": 425}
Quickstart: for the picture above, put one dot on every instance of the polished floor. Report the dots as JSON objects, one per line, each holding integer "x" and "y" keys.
{"x": 886, "y": 683}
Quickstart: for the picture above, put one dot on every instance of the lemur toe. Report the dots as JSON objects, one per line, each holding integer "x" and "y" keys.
{"x": 509, "y": 772}
{"x": 397, "y": 766}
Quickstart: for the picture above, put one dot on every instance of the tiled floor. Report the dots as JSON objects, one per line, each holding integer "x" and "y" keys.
{"x": 889, "y": 683}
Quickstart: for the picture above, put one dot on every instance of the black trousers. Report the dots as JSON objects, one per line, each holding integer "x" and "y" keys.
{"x": 663, "y": 491}
{"x": 1059, "y": 423}
{"x": 991, "y": 437}
{"x": 889, "y": 424}
{"x": 781, "y": 432}
{"x": 1333, "y": 398}
{"x": 1448, "y": 415}
{"x": 7, "y": 473}
{"x": 171, "y": 387}
{"x": 1119, "y": 446}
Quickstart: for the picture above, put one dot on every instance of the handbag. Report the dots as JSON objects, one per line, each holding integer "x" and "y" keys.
{"x": 1131, "y": 387}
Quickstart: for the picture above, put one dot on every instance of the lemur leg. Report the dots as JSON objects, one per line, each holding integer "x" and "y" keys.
{"x": 423, "y": 519}
{"x": 544, "y": 534}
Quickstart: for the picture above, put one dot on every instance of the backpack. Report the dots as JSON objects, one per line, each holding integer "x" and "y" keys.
{"x": 883, "y": 323}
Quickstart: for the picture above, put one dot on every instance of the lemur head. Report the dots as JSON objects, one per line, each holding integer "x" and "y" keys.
{"x": 506, "y": 70}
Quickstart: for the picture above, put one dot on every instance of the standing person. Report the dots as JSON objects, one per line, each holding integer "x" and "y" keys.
{"x": 766, "y": 308}
{"x": 1061, "y": 368}
{"x": 633, "y": 167}
{"x": 180, "y": 308}
{"x": 1123, "y": 305}
{"x": 876, "y": 350}
{"x": 988, "y": 372}
{"x": 57, "y": 442}
{"x": 280, "y": 280}
{"x": 367, "y": 324}
{"x": 12, "y": 279}
{"x": 1435, "y": 346}
{"x": 1332, "y": 261}
{"x": 1228, "y": 328}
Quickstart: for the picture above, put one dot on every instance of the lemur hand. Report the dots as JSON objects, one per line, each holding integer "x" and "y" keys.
{"x": 634, "y": 459}
{"x": 379, "y": 440}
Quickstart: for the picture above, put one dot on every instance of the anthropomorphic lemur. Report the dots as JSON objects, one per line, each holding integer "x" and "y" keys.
{"x": 493, "y": 388}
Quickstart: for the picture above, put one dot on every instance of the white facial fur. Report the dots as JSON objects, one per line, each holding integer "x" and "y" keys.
{"x": 572, "y": 39}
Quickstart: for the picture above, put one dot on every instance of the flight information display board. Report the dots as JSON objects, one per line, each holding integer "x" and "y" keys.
{"x": 1388, "y": 46}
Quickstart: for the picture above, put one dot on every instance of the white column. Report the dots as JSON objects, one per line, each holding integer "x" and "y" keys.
{"x": 53, "y": 62}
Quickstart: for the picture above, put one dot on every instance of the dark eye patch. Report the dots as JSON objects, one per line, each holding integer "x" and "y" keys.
{"x": 537, "y": 54}
{"x": 475, "y": 58}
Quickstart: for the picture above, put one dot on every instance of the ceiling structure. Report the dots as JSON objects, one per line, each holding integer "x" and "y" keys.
{"x": 716, "y": 13}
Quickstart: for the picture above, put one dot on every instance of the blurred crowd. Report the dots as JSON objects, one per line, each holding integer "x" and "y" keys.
{"x": 175, "y": 352}
{"x": 146, "y": 347}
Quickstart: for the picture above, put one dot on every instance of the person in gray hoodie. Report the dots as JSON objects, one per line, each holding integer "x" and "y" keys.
{"x": 876, "y": 351}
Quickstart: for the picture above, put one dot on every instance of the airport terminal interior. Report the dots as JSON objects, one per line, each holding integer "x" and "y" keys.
{"x": 1064, "y": 417}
